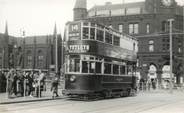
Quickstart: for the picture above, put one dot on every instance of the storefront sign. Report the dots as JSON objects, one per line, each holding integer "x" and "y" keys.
{"x": 78, "y": 48}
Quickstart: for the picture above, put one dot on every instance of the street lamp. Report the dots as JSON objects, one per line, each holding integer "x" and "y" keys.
{"x": 171, "y": 54}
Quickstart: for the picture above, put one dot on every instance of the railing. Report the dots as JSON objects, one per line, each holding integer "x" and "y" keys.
{"x": 38, "y": 89}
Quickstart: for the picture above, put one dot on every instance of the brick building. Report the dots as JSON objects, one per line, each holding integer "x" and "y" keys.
{"x": 30, "y": 52}
{"x": 148, "y": 21}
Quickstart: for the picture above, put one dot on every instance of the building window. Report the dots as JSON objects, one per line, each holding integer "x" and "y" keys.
{"x": 179, "y": 50}
{"x": 120, "y": 28}
{"x": 147, "y": 28}
{"x": 40, "y": 58}
{"x": 133, "y": 28}
{"x": 40, "y": 61}
{"x": 164, "y": 26}
{"x": 29, "y": 60}
{"x": 151, "y": 46}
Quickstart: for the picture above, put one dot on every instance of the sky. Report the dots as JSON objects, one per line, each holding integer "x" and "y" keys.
{"x": 38, "y": 17}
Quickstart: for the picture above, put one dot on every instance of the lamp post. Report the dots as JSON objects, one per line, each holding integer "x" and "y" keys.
{"x": 171, "y": 53}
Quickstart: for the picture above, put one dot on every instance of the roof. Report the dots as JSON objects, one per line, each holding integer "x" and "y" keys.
{"x": 80, "y": 4}
{"x": 30, "y": 39}
{"x": 118, "y": 6}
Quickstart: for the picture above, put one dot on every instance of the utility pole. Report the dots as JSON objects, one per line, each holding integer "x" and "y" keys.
{"x": 56, "y": 49}
{"x": 23, "y": 36}
{"x": 171, "y": 53}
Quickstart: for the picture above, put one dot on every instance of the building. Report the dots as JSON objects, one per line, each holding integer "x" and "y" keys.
{"x": 30, "y": 52}
{"x": 148, "y": 22}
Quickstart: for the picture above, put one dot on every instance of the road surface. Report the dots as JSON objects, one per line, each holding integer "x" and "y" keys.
{"x": 147, "y": 102}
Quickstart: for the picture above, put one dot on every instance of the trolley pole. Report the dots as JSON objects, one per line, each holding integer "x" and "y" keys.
{"x": 171, "y": 54}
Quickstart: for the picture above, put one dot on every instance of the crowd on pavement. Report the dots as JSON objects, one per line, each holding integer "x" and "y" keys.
{"x": 20, "y": 83}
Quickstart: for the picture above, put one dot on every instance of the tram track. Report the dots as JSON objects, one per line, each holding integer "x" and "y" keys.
{"x": 137, "y": 104}
{"x": 36, "y": 105}
{"x": 128, "y": 107}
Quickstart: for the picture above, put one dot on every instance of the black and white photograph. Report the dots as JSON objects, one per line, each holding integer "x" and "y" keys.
{"x": 91, "y": 56}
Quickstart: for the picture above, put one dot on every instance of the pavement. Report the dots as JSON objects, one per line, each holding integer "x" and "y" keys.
{"x": 47, "y": 95}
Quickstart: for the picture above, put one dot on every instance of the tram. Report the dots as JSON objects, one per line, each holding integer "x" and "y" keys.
{"x": 99, "y": 61}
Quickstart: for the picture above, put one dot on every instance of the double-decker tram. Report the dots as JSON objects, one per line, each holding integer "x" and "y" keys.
{"x": 99, "y": 61}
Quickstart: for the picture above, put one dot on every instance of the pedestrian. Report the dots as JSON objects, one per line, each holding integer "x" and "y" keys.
{"x": 40, "y": 83}
{"x": 15, "y": 78}
{"x": 154, "y": 84}
{"x": 21, "y": 83}
{"x": 54, "y": 87}
{"x": 30, "y": 83}
{"x": 1, "y": 82}
{"x": 10, "y": 83}
{"x": 4, "y": 80}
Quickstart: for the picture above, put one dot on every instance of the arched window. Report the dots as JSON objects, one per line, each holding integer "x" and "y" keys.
{"x": 40, "y": 58}
{"x": 29, "y": 58}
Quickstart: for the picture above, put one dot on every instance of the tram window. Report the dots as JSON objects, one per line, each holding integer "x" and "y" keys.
{"x": 116, "y": 41}
{"x": 100, "y": 35}
{"x": 92, "y": 67}
{"x": 129, "y": 69}
{"x": 84, "y": 67}
{"x": 108, "y": 38}
{"x": 92, "y": 33}
{"x": 122, "y": 70}
{"x": 98, "y": 67}
{"x": 74, "y": 65}
{"x": 85, "y": 33}
{"x": 93, "y": 24}
{"x": 85, "y": 24}
{"x": 107, "y": 69}
{"x": 115, "y": 69}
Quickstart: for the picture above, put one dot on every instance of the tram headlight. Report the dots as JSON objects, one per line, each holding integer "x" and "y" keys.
{"x": 72, "y": 78}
